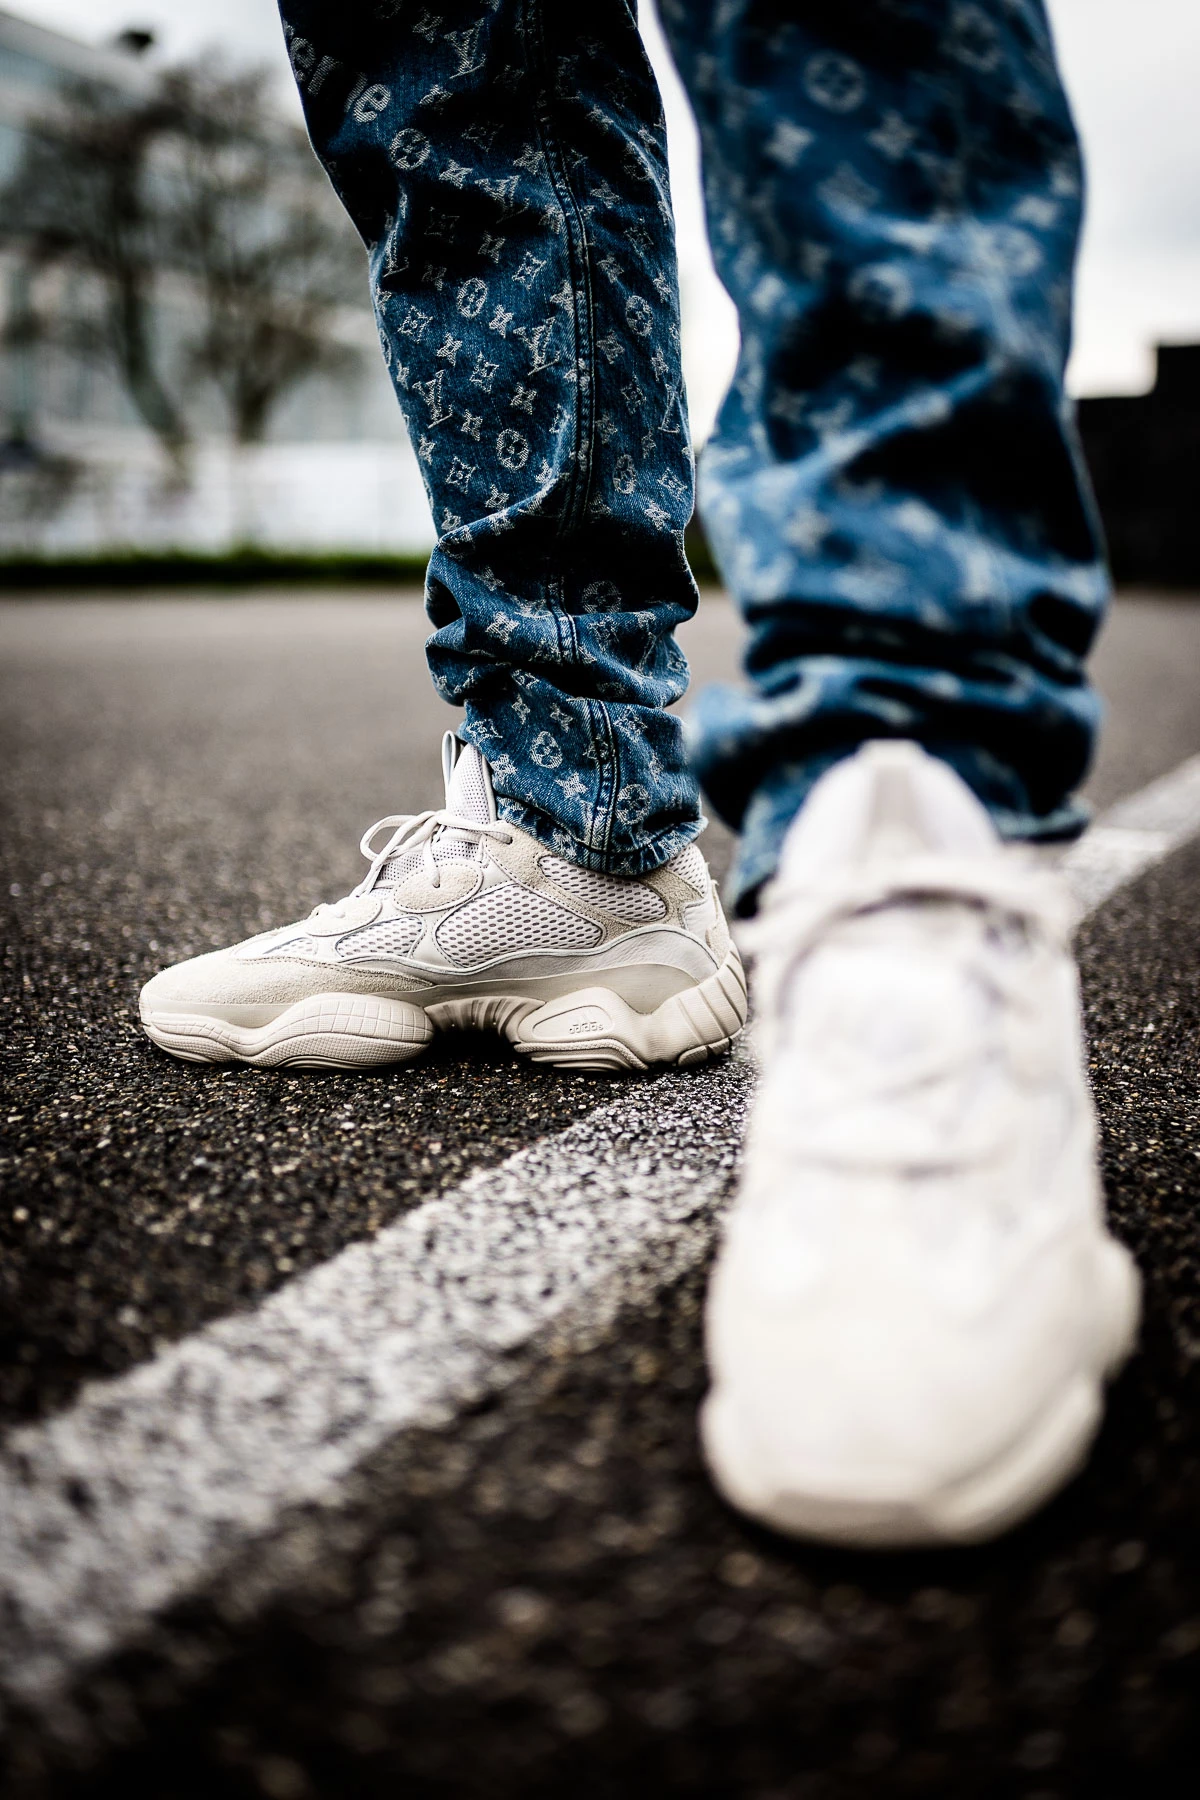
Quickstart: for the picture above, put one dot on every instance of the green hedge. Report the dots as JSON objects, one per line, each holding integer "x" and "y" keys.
{"x": 181, "y": 568}
{"x": 244, "y": 568}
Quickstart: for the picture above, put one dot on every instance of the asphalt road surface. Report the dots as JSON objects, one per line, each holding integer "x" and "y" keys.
{"x": 351, "y": 1417}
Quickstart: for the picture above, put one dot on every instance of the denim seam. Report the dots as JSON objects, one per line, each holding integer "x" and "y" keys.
{"x": 600, "y": 832}
{"x": 577, "y": 260}
{"x": 603, "y": 815}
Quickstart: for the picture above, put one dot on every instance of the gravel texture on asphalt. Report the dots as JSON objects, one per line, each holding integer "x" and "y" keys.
{"x": 174, "y": 778}
{"x": 175, "y": 775}
{"x": 546, "y": 1597}
{"x": 151, "y": 1483}
{"x": 549, "y": 1598}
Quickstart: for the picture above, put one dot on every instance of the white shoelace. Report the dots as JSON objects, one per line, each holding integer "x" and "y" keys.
{"x": 1035, "y": 897}
{"x": 411, "y": 831}
{"x": 797, "y": 918}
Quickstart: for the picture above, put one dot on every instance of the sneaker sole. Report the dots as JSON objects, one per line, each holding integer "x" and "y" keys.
{"x": 972, "y": 1508}
{"x": 590, "y": 1029}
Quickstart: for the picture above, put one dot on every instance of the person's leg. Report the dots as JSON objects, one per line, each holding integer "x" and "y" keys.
{"x": 506, "y": 168}
{"x": 894, "y": 491}
{"x": 916, "y": 1302}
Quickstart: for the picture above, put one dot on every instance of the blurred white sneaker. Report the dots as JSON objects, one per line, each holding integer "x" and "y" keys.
{"x": 464, "y": 921}
{"x": 917, "y": 1299}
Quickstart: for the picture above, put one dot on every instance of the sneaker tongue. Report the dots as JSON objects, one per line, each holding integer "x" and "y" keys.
{"x": 469, "y": 786}
{"x": 889, "y": 800}
{"x": 469, "y": 794}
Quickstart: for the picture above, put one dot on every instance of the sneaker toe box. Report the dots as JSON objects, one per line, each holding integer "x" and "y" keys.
{"x": 231, "y": 978}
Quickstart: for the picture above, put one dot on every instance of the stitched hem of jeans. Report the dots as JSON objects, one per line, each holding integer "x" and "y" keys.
{"x": 640, "y": 859}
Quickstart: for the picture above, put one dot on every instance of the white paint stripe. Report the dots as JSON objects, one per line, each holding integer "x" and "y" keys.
{"x": 151, "y": 1482}
{"x": 1134, "y": 834}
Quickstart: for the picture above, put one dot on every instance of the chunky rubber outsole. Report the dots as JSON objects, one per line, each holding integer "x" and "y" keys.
{"x": 979, "y": 1504}
{"x": 592, "y": 1028}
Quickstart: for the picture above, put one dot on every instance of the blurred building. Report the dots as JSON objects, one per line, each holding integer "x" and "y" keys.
{"x": 1144, "y": 454}
{"x": 79, "y": 473}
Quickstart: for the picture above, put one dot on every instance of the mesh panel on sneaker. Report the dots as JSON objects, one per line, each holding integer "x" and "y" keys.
{"x": 398, "y": 867}
{"x": 628, "y": 900}
{"x": 393, "y": 937}
{"x": 445, "y": 849}
{"x": 691, "y": 867}
{"x": 297, "y": 946}
{"x": 512, "y": 918}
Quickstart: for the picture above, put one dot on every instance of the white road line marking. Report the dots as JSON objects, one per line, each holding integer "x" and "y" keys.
{"x": 151, "y": 1482}
{"x": 1134, "y": 834}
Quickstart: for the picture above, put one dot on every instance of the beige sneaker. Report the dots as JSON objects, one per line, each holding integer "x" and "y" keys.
{"x": 917, "y": 1301}
{"x": 465, "y": 921}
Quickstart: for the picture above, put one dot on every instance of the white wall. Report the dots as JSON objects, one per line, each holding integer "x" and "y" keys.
{"x": 363, "y": 497}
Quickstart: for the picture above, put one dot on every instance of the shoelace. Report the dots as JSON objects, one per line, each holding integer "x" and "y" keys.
{"x": 1036, "y": 899}
{"x": 411, "y": 831}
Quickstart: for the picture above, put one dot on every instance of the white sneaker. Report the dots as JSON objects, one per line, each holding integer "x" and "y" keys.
{"x": 916, "y": 1300}
{"x": 465, "y": 921}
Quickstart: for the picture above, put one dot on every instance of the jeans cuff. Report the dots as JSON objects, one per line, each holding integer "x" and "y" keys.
{"x": 781, "y": 794}
{"x": 631, "y": 860}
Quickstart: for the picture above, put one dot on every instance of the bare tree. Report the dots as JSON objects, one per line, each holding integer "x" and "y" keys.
{"x": 81, "y": 197}
{"x": 192, "y": 187}
{"x": 259, "y": 234}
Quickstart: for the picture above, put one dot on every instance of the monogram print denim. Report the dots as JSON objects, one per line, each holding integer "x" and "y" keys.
{"x": 894, "y": 491}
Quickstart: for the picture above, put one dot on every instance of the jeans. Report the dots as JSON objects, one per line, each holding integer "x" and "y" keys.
{"x": 894, "y": 492}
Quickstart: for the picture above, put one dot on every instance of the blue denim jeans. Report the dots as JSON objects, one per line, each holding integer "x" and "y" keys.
{"x": 894, "y": 492}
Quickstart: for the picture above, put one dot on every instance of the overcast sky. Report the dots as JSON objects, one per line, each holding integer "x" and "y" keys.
{"x": 1132, "y": 67}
